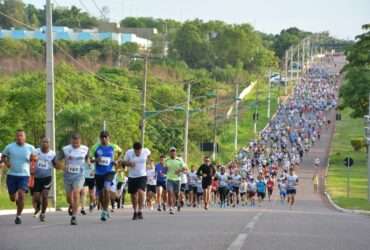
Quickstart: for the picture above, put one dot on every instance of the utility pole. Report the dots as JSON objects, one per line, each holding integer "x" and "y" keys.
{"x": 187, "y": 115}
{"x": 368, "y": 153}
{"x": 215, "y": 129}
{"x": 291, "y": 63}
{"x": 269, "y": 97}
{"x": 298, "y": 63}
{"x": 236, "y": 116}
{"x": 303, "y": 55}
{"x": 143, "y": 99}
{"x": 286, "y": 72}
{"x": 255, "y": 116}
{"x": 50, "y": 102}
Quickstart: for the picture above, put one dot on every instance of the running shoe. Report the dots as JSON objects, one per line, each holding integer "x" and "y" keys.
{"x": 42, "y": 217}
{"x": 83, "y": 211}
{"x": 134, "y": 217}
{"x": 18, "y": 220}
{"x": 73, "y": 221}
{"x": 140, "y": 215}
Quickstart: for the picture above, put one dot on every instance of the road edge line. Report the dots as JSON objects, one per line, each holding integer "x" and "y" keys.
{"x": 345, "y": 210}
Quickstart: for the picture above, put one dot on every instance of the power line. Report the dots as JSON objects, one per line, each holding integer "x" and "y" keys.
{"x": 100, "y": 10}
{"x": 83, "y": 5}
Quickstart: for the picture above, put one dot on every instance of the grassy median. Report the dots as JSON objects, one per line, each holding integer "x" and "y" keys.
{"x": 347, "y": 129}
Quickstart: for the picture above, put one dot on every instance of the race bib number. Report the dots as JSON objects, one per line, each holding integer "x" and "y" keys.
{"x": 73, "y": 169}
{"x": 42, "y": 164}
{"x": 104, "y": 161}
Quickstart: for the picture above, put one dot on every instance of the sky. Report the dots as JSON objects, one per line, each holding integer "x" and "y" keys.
{"x": 342, "y": 18}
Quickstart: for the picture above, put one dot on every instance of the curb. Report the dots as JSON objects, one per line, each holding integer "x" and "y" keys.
{"x": 344, "y": 210}
{"x": 31, "y": 210}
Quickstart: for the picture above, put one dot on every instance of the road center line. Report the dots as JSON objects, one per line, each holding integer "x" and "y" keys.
{"x": 238, "y": 243}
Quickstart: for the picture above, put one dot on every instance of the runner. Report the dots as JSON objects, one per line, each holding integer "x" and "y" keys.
{"x": 270, "y": 187}
{"x": 1, "y": 162}
{"x": 193, "y": 179}
{"x": 17, "y": 156}
{"x": 160, "y": 173}
{"x": 261, "y": 189}
{"x": 121, "y": 187}
{"x": 151, "y": 184}
{"x": 174, "y": 167}
{"x": 315, "y": 182}
{"x": 105, "y": 154}
{"x": 251, "y": 191}
{"x": 136, "y": 159}
{"x": 243, "y": 192}
{"x": 223, "y": 187}
{"x": 74, "y": 156}
{"x": 206, "y": 171}
{"x": 282, "y": 188}
{"x": 43, "y": 177}
{"x": 235, "y": 183}
{"x": 292, "y": 181}
{"x": 90, "y": 185}
{"x": 200, "y": 196}
{"x": 184, "y": 186}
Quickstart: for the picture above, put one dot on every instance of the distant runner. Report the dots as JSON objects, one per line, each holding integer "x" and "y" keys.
{"x": 174, "y": 167}
{"x": 206, "y": 171}
{"x": 292, "y": 181}
{"x": 161, "y": 193}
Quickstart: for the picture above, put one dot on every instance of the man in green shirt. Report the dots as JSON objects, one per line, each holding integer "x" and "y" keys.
{"x": 174, "y": 167}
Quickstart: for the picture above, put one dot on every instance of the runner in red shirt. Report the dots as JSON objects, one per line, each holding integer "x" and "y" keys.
{"x": 270, "y": 187}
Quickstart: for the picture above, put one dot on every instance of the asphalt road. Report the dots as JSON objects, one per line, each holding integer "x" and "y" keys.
{"x": 311, "y": 224}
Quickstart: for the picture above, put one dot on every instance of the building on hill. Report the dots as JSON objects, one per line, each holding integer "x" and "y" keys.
{"x": 65, "y": 33}
{"x": 147, "y": 33}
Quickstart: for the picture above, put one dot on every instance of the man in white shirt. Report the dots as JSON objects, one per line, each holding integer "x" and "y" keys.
{"x": 136, "y": 159}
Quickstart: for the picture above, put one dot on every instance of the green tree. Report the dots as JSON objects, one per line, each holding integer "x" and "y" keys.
{"x": 15, "y": 8}
{"x": 356, "y": 89}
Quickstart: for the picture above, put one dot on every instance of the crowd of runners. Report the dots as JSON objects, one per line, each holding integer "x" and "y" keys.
{"x": 104, "y": 173}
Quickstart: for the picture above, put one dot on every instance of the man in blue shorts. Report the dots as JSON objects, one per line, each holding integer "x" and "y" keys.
{"x": 18, "y": 156}
{"x": 160, "y": 172}
{"x": 104, "y": 154}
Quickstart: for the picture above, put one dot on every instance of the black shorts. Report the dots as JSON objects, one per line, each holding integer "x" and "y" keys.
{"x": 242, "y": 194}
{"x": 206, "y": 183}
{"x": 90, "y": 183}
{"x": 103, "y": 180}
{"x": 269, "y": 191}
{"x": 261, "y": 195}
{"x": 193, "y": 188}
{"x": 161, "y": 184}
{"x": 151, "y": 188}
{"x": 134, "y": 184}
{"x": 291, "y": 191}
{"x": 41, "y": 184}
{"x": 236, "y": 190}
{"x": 183, "y": 187}
{"x": 119, "y": 185}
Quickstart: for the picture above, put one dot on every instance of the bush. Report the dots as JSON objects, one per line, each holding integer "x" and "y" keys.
{"x": 358, "y": 144}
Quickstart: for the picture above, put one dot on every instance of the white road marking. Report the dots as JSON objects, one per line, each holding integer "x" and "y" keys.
{"x": 238, "y": 243}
